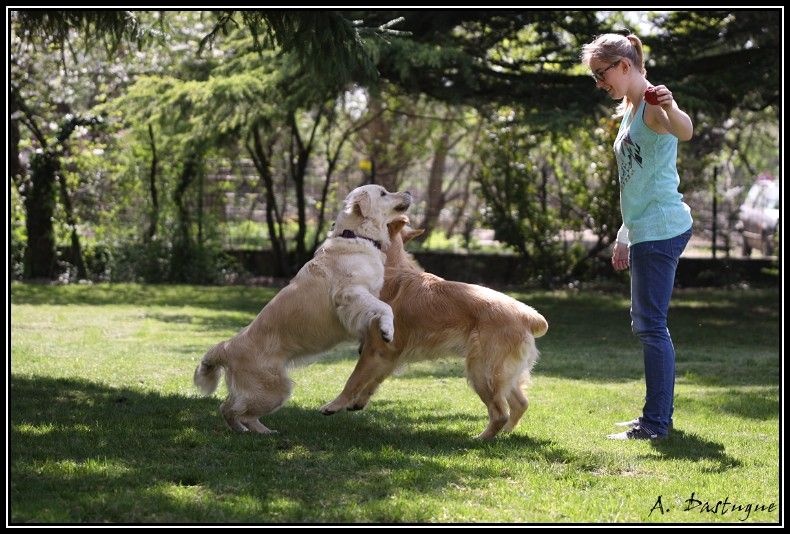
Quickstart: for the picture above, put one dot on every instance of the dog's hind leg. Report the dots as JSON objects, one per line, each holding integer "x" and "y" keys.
{"x": 254, "y": 394}
{"x": 497, "y": 417}
{"x": 241, "y": 423}
{"x": 487, "y": 382}
{"x": 243, "y": 417}
{"x": 518, "y": 405}
{"x": 526, "y": 357}
{"x": 229, "y": 413}
{"x": 254, "y": 424}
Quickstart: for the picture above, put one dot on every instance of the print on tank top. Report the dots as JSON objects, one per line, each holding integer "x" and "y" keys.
{"x": 630, "y": 154}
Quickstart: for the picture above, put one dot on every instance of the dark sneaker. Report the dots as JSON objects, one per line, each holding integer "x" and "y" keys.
{"x": 636, "y": 432}
{"x": 633, "y": 423}
{"x": 630, "y": 424}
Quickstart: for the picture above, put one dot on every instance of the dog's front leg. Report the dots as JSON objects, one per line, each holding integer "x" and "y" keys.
{"x": 357, "y": 308}
{"x": 358, "y": 379}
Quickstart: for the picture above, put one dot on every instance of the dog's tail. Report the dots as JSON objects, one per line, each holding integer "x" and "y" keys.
{"x": 536, "y": 323}
{"x": 209, "y": 369}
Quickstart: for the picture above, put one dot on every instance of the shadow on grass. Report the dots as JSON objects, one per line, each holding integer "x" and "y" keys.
{"x": 590, "y": 338}
{"x": 217, "y": 321}
{"x": 721, "y": 337}
{"x": 760, "y": 405}
{"x": 82, "y": 452}
{"x": 589, "y": 334}
{"x": 685, "y": 446}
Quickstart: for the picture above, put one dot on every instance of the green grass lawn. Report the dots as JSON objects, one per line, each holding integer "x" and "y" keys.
{"x": 107, "y": 427}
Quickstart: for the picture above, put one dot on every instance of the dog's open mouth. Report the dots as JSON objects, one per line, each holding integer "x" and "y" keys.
{"x": 403, "y": 207}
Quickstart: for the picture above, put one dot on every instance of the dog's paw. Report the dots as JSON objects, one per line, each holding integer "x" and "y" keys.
{"x": 355, "y": 407}
{"x": 328, "y": 410}
{"x": 386, "y": 336}
{"x": 386, "y": 324}
{"x": 254, "y": 425}
{"x": 236, "y": 426}
{"x": 387, "y": 331}
{"x": 332, "y": 407}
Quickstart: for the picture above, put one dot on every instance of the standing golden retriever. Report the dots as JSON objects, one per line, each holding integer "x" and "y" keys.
{"x": 331, "y": 299}
{"x": 434, "y": 318}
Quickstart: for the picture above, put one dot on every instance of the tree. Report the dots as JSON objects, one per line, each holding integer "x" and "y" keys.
{"x": 54, "y": 82}
{"x": 451, "y": 168}
{"x": 497, "y": 56}
{"x": 270, "y": 84}
{"x": 542, "y": 192}
{"x": 57, "y": 30}
{"x": 257, "y": 100}
{"x": 531, "y": 57}
{"x": 45, "y": 97}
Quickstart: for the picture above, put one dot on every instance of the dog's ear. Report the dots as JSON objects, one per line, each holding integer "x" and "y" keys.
{"x": 410, "y": 233}
{"x": 396, "y": 225}
{"x": 361, "y": 204}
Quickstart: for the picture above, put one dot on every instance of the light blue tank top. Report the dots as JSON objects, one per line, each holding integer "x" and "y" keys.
{"x": 650, "y": 203}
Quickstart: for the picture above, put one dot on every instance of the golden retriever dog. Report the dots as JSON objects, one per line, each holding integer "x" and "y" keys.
{"x": 434, "y": 318}
{"x": 333, "y": 298}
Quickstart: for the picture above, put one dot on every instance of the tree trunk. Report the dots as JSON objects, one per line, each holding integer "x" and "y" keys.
{"x": 201, "y": 184}
{"x": 382, "y": 170}
{"x": 14, "y": 164}
{"x": 185, "y": 179}
{"x": 181, "y": 261}
{"x": 461, "y": 207}
{"x": 154, "y": 222}
{"x": 76, "y": 248}
{"x": 261, "y": 159}
{"x": 300, "y": 154}
{"x": 40, "y": 255}
{"x": 298, "y": 171}
{"x": 435, "y": 194}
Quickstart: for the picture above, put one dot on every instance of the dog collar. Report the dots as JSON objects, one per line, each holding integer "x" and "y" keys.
{"x": 349, "y": 234}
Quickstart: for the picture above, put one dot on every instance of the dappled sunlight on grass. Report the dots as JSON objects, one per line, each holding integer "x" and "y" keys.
{"x": 183, "y": 494}
{"x": 35, "y": 430}
{"x": 107, "y": 426}
{"x": 68, "y": 469}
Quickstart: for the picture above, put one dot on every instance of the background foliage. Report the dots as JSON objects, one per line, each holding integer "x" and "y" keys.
{"x": 143, "y": 144}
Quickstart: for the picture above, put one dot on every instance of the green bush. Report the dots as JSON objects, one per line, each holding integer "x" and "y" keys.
{"x": 160, "y": 261}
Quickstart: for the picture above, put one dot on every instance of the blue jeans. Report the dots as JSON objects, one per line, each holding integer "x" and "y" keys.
{"x": 653, "y": 266}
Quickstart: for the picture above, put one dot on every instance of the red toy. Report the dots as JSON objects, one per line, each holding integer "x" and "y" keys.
{"x": 650, "y": 96}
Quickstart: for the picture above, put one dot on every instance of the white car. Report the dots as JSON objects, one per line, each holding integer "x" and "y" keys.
{"x": 759, "y": 216}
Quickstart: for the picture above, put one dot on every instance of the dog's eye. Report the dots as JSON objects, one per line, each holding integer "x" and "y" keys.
{"x": 383, "y": 193}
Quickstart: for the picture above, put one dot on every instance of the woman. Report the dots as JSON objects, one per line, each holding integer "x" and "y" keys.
{"x": 656, "y": 222}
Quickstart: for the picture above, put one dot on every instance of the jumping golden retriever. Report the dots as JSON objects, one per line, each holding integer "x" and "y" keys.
{"x": 333, "y": 298}
{"x": 435, "y": 318}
